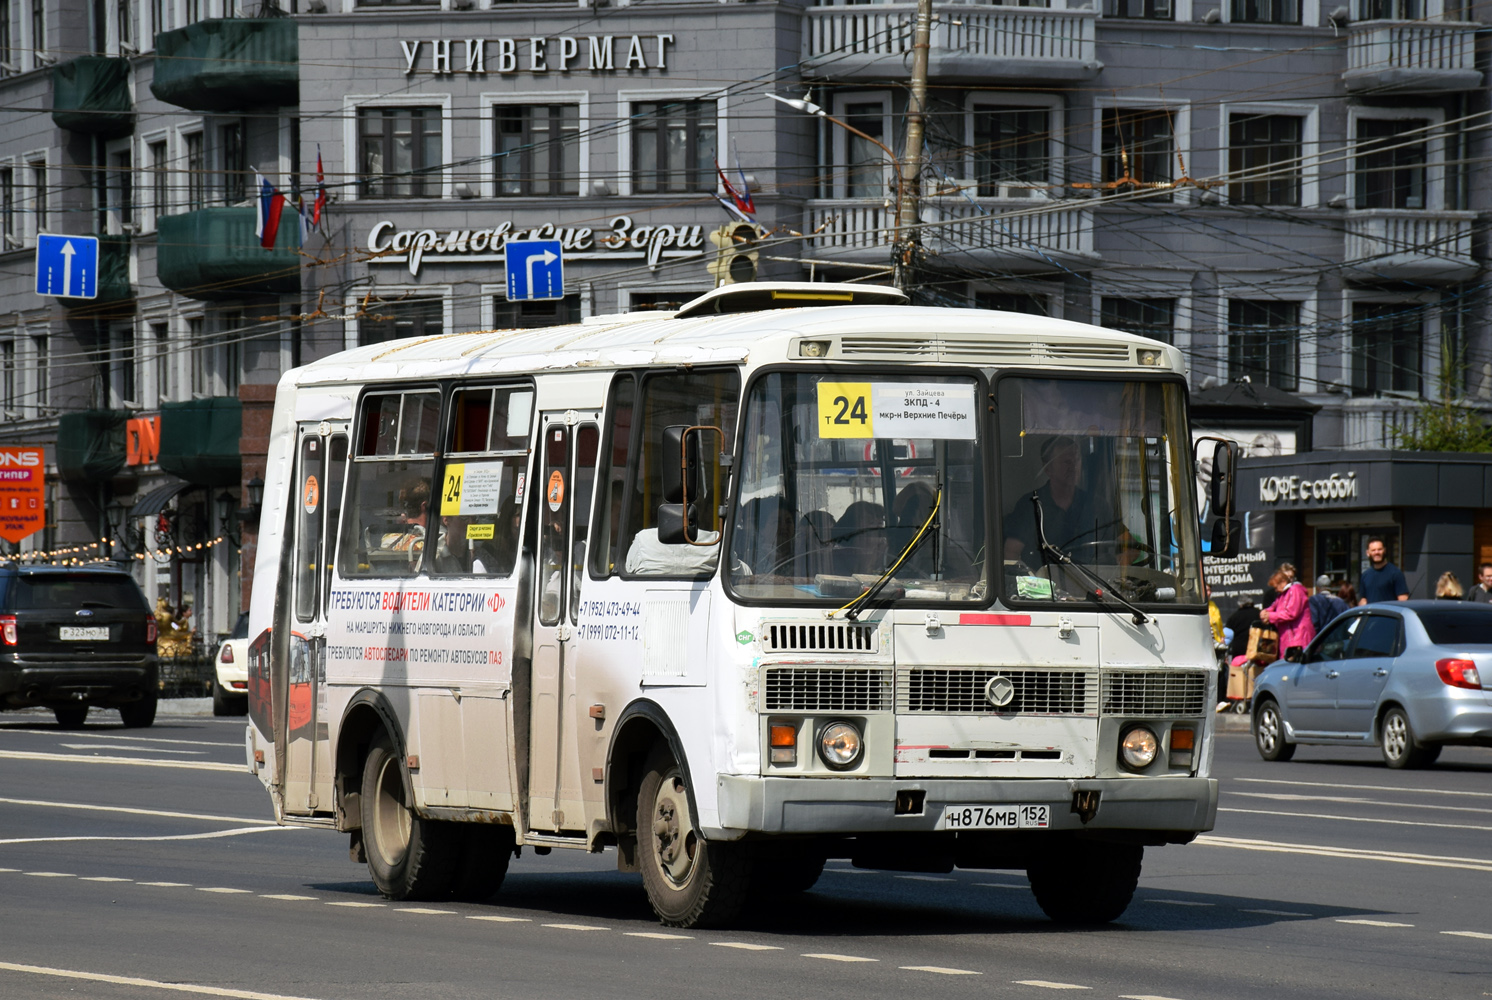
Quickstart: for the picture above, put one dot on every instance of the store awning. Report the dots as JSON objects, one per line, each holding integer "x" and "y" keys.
{"x": 90, "y": 445}
{"x": 92, "y": 94}
{"x": 156, "y": 500}
{"x": 199, "y": 440}
{"x": 229, "y": 64}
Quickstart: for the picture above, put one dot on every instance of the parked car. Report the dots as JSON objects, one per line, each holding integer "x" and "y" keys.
{"x": 75, "y": 637}
{"x": 230, "y": 686}
{"x": 1408, "y": 677}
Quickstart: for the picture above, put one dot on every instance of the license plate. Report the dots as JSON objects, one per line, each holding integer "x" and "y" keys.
{"x": 1019, "y": 817}
{"x": 72, "y": 633}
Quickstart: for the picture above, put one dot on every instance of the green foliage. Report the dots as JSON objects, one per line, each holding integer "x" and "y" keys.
{"x": 1447, "y": 426}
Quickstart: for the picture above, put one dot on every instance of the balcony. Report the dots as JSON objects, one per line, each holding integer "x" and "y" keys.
{"x": 228, "y": 64}
{"x": 969, "y": 42}
{"x": 1017, "y": 235}
{"x": 1407, "y": 245}
{"x": 1411, "y": 57}
{"x": 92, "y": 94}
{"x": 212, "y": 253}
{"x": 114, "y": 284}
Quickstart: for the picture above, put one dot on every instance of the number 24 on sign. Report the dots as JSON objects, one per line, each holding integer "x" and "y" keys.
{"x": 844, "y": 410}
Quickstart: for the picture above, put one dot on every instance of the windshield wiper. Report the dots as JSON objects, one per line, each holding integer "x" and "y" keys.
{"x": 853, "y": 608}
{"x": 1105, "y": 588}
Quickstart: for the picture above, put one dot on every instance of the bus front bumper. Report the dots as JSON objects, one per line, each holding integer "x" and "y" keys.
{"x": 749, "y": 804}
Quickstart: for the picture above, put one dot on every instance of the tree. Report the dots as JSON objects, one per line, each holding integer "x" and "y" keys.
{"x": 1448, "y": 424}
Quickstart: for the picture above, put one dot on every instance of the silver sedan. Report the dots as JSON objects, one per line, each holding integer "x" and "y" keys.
{"x": 1408, "y": 677}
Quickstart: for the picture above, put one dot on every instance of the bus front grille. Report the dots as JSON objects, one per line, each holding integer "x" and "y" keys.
{"x": 1151, "y": 693}
{"x": 820, "y": 637}
{"x": 965, "y": 690}
{"x": 826, "y": 689}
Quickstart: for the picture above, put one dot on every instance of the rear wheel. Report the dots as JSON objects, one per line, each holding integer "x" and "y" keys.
{"x": 691, "y": 882}
{"x": 1400, "y": 748}
{"x": 225, "y": 702}
{"x": 139, "y": 714}
{"x": 409, "y": 857}
{"x": 71, "y": 717}
{"x": 1269, "y": 732}
{"x": 1086, "y": 883}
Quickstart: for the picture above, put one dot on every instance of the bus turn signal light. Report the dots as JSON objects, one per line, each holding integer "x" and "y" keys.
{"x": 1183, "y": 743}
{"x": 784, "y": 743}
{"x": 1456, "y": 673}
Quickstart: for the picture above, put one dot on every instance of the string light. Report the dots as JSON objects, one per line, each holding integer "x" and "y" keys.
{"x": 68, "y": 556}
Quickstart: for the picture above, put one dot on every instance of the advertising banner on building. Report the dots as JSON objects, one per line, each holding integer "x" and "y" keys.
{"x": 1245, "y": 575}
{"x": 23, "y": 509}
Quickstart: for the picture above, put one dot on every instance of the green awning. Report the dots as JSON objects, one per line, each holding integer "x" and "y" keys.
{"x": 90, "y": 445}
{"x": 199, "y": 440}
{"x": 113, "y": 274}
{"x": 212, "y": 253}
{"x": 92, "y": 94}
{"x": 228, "y": 64}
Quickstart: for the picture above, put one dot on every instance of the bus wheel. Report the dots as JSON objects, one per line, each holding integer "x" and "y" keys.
{"x": 485, "y": 852}
{"x": 1087, "y": 883}
{"x": 691, "y": 882}
{"x": 778, "y": 872}
{"x": 408, "y": 857}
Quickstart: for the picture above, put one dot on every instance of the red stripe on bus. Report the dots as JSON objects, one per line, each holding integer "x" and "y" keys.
{"x": 994, "y": 619}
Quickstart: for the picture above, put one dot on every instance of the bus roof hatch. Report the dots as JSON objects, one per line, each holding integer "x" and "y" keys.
{"x": 759, "y": 296}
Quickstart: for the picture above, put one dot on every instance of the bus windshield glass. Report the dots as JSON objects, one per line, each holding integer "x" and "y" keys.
{"x": 1103, "y": 470}
{"x": 838, "y": 475}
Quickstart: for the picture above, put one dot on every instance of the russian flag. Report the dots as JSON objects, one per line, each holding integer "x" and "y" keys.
{"x": 267, "y": 217}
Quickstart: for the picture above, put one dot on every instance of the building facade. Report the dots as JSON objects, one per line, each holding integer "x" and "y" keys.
{"x": 1290, "y": 194}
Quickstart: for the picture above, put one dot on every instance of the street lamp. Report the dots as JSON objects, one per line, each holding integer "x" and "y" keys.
{"x": 225, "y": 503}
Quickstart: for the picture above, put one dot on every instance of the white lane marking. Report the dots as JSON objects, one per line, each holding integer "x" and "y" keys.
{"x": 179, "y": 836}
{"x": 121, "y": 746}
{"x": 423, "y": 909}
{"x": 851, "y": 871}
{"x": 1142, "y": 996}
{"x": 52, "y": 874}
{"x": 1350, "y": 853}
{"x": 133, "y": 812}
{"x": 133, "y": 739}
{"x": 1373, "y": 923}
{"x": 356, "y": 904}
{"x": 1277, "y": 913}
{"x": 289, "y": 897}
{"x": 226, "y": 891}
{"x": 829, "y": 956}
{"x": 1048, "y": 985}
{"x": 82, "y": 758}
{"x": 577, "y": 927}
{"x": 926, "y": 878}
{"x": 745, "y": 946}
{"x": 1355, "y": 819}
{"x": 939, "y": 970}
{"x": 99, "y": 977}
{"x": 1179, "y": 902}
{"x": 495, "y": 920}
{"x": 1363, "y": 788}
{"x": 1469, "y": 934}
{"x": 1356, "y": 801}
{"x": 170, "y": 885}
{"x": 104, "y": 878}
{"x": 9, "y": 869}
{"x": 656, "y": 936}
{"x": 1000, "y": 885}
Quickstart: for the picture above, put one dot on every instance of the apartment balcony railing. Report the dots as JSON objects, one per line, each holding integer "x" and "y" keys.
{"x": 969, "y": 41}
{"x": 1411, "y": 57}
{"x": 1409, "y": 245}
{"x": 1019, "y": 235}
{"x": 1374, "y": 423}
{"x": 228, "y": 64}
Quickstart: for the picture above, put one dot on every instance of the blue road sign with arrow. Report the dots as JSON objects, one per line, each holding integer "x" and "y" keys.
{"x": 536, "y": 270}
{"x": 67, "y": 266}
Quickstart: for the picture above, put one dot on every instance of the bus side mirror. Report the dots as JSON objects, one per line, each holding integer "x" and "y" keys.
{"x": 1224, "y": 478}
{"x": 692, "y": 484}
{"x": 677, "y": 524}
{"x": 673, "y": 468}
{"x": 1227, "y": 538}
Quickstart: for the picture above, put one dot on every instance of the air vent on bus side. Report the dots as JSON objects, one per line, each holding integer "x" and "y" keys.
{"x": 815, "y": 637}
{"x": 963, "y": 690}
{"x": 826, "y": 689}
{"x": 1149, "y": 693}
{"x": 976, "y": 349}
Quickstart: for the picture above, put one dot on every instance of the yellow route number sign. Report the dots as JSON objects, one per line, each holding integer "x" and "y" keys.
{"x": 845, "y": 410}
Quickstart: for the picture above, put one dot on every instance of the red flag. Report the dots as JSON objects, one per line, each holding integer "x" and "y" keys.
{"x": 320, "y": 205}
{"x": 272, "y": 219}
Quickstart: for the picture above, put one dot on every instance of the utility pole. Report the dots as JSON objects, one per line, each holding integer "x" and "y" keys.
{"x": 907, "y": 248}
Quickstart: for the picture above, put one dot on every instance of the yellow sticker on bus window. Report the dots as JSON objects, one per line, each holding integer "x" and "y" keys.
{"x": 480, "y": 532}
{"x": 450, "y": 490}
{"x": 844, "y": 410}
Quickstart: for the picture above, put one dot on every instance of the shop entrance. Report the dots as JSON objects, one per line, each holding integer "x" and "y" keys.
{"x": 1342, "y": 550}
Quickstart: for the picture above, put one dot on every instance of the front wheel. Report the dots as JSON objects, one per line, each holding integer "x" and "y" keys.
{"x": 1401, "y": 750}
{"x": 1086, "y": 883}
{"x": 1269, "y": 732}
{"x": 409, "y": 857}
{"x": 690, "y": 882}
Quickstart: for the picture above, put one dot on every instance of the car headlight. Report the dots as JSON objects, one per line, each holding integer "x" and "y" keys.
{"x": 840, "y": 745}
{"x": 1138, "y": 748}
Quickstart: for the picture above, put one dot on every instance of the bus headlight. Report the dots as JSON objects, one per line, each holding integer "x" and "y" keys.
{"x": 840, "y": 745}
{"x": 1138, "y": 748}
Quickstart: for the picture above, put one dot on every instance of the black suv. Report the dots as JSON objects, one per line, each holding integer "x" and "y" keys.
{"x": 71, "y": 637}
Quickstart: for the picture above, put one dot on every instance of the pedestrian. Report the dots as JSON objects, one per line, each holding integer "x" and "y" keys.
{"x": 1381, "y": 581}
{"x": 1448, "y": 588}
{"x": 1324, "y": 604}
{"x": 1482, "y": 592}
{"x": 1348, "y": 594}
{"x": 1240, "y": 622}
{"x": 1290, "y": 614}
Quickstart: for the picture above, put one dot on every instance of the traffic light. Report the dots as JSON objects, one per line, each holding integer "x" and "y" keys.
{"x": 735, "y": 260}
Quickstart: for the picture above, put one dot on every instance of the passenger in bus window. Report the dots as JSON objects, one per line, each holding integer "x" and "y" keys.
{"x": 414, "y": 504}
{"x": 458, "y": 553}
{"x": 860, "y": 539}
{"x": 647, "y": 556}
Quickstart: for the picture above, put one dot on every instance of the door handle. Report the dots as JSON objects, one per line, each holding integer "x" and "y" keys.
{"x": 1331, "y": 675}
{"x": 1380, "y": 672}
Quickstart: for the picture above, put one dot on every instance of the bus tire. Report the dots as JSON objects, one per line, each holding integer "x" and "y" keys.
{"x": 483, "y": 863}
{"x": 1086, "y": 883}
{"x": 690, "y": 882}
{"x": 409, "y": 857}
{"x": 779, "y": 872}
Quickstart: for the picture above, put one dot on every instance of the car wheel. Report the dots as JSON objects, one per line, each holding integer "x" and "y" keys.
{"x": 1088, "y": 883}
{"x": 139, "y": 714}
{"x": 1269, "y": 732}
{"x": 71, "y": 717}
{"x": 409, "y": 857}
{"x": 225, "y": 702}
{"x": 1400, "y": 749}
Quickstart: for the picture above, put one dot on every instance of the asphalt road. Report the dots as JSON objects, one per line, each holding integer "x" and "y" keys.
{"x": 141, "y": 864}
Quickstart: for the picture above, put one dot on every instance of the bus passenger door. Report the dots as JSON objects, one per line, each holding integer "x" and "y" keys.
{"x": 321, "y": 464}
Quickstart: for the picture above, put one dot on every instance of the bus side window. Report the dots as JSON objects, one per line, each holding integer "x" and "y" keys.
{"x": 336, "y": 475}
{"x": 387, "y": 512}
{"x": 486, "y": 457}
{"x": 615, "y": 457}
{"x": 587, "y": 445}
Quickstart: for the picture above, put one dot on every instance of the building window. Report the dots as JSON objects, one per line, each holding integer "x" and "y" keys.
{"x": 197, "y": 347}
{"x": 196, "y": 171}
{"x": 125, "y": 23}
{"x": 865, "y": 173}
{"x": 158, "y": 16}
{"x": 673, "y": 147}
{"x": 1015, "y": 302}
{"x": 399, "y": 152}
{"x": 1386, "y": 347}
{"x": 537, "y": 149}
{"x": 1457, "y": 307}
{"x": 122, "y": 366}
{"x": 7, "y": 56}
{"x": 1265, "y": 12}
{"x": 659, "y": 301}
{"x": 230, "y": 352}
{"x": 8, "y": 209}
{"x": 1389, "y": 169}
{"x": 1263, "y": 342}
{"x": 527, "y": 315}
{"x": 122, "y": 187}
{"x": 1153, "y": 10}
{"x": 383, "y": 321}
{"x": 160, "y": 336}
{"x": 1011, "y": 151}
{"x": 9, "y": 398}
{"x": 39, "y": 350}
{"x": 1391, "y": 10}
{"x": 38, "y": 33}
{"x": 39, "y": 194}
{"x": 195, "y": 11}
{"x": 1264, "y": 159}
{"x": 160, "y": 198}
{"x": 1154, "y": 318}
{"x": 1138, "y": 149}
{"x": 235, "y": 163}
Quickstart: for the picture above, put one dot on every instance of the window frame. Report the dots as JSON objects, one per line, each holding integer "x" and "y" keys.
{"x": 1181, "y": 152}
{"x": 1434, "y": 164}
{"x": 1229, "y": 329}
{"x": 840, "y": 166}
{"x": 1309, "y": 167}
{"x": 1056, "y": 126}
{"x": 159, "y": 174}
{"x": 441, "y": 179}
{"x": 580, "y": 142}
{"x": 1429, "y": 361}
{"x": 392, "y": 295}
{"x": 193, "y": 192}
{"x": 663, "y": 95}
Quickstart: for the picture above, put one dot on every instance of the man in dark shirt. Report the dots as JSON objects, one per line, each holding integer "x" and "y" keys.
{"x": 1482, "y": 592}
{"x": 1070, "y": 517}
{"x": 1324, "y": 605}
{"x": 1382, "y": 581}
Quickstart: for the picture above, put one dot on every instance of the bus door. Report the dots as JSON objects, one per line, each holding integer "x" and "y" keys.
{"x": 562, "y": 505}
{"x": 321, "y": 465}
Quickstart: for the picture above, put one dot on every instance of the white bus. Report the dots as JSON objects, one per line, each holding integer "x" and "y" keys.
{"x": 798, "y": 572}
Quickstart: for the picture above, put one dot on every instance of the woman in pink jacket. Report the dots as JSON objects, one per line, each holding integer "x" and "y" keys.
{"x": 1290, "y": 613}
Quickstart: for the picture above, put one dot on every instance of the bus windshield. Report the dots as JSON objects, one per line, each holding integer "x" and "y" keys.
{"x": 838, "y": 475}
{"x": 1102, "y": 470}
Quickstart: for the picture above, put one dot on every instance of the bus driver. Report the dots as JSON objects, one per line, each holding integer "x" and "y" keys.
{"x": 1075, "y": 520}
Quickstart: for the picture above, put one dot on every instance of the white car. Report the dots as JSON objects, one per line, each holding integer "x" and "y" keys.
{"x": 230, "y": 686}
